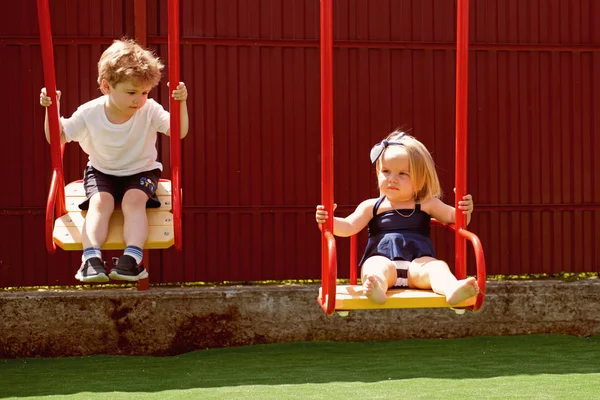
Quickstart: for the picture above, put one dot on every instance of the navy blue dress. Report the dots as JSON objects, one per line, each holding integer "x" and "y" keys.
{"x": 399, "y": 238}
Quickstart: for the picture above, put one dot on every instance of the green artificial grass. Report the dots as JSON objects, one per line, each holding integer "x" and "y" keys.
{"x": 515, "y": 367}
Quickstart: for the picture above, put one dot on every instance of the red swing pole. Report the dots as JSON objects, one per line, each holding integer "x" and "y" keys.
{"x": 175, "y": 108}
{"x": 462, "y": 84}
{"x": 56, "y": 195}
{"x": 462, "y": 81}
{"x": 328, "y": 247}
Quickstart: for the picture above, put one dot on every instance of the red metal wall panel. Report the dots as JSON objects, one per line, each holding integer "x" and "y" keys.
{"x": 251, "y": 161}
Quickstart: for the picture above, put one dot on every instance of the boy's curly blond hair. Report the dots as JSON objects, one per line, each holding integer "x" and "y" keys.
{"x": 125, "y": 60}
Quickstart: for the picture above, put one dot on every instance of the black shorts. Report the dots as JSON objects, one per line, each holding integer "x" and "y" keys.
{"x": 95, "y": 181}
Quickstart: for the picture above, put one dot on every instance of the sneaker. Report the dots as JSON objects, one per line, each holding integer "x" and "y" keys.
{"x": 92, "y": 270}
{"x": 126, "y": 269}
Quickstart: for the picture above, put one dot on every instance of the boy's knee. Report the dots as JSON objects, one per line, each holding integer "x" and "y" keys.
{"x": 102, "y": 202}
{"x": 134, "y": 198}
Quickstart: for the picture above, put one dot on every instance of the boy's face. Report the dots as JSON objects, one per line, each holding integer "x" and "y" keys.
{"x": 127, "y": 96}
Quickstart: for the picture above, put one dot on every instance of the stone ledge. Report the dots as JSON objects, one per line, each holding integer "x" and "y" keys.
{"x": 167, "y": 321}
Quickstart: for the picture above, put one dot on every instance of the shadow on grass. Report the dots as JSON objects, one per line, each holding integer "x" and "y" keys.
{"x": 305, "y": 362}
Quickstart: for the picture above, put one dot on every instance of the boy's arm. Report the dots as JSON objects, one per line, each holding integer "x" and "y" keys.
{"x": 47, "y": 126}
{"x": 45, "y": 101}
{"x": 184, "y": 120}
{"x": 181, "y": 94}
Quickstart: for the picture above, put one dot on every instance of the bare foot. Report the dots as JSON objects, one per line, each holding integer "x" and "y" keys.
{"x": 374, "y": 289}
{"x": 464, "y": 289}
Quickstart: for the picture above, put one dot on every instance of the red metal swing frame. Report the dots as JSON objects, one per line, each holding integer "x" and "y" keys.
{"x": 327, "y": 297}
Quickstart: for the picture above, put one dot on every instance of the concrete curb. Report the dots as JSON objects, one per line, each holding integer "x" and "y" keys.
{"x": 167, "y": 321}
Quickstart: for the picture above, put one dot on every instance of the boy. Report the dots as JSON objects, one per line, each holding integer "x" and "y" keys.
{"x": 118, "y": 132}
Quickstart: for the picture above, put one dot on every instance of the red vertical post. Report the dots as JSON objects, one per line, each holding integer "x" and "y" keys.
{"x": 326, "y": 59}
{"x": 50, "y": 79}
{"x": 175, "y": 121}
{"x": 462, "y": 81}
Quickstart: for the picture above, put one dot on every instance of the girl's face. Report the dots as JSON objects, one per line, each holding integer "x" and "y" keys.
{"x": 394, "y": 175}
{"x": 126, "y": 97}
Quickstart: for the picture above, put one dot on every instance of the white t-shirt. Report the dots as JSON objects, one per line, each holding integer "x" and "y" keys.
{"x": 118, "y": 149}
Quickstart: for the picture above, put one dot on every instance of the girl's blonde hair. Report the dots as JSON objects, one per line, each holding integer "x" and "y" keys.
{"x": 126, "y": 60}
{"x": 423, "y": 174}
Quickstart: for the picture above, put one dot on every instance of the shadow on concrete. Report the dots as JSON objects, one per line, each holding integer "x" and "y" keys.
{"x": 304, "y": 362}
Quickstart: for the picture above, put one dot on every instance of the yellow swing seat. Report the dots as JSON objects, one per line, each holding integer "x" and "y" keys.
{"x": 351, "y": 297}
{"x": 68, "y": 228}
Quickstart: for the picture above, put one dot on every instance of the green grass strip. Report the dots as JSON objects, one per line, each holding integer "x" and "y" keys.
{"x": 515, "y": 367}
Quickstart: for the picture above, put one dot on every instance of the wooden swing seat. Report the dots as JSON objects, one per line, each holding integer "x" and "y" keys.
{"x": 351, "y": 297}
{"x": 68, "y": 228}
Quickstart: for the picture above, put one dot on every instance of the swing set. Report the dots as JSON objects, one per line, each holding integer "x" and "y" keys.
{"x": 64, "y": 219}
{"x": 344, "y": 298}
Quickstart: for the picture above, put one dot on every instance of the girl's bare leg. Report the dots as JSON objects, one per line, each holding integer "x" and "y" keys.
{"x": 378, "y": 274}
{"x": 95, "y": 225}
{"x": 430, "y": 273}
{"x": 135, "y": 226}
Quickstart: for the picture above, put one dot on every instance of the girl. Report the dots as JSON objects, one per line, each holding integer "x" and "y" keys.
{"x": 399, "y": 251}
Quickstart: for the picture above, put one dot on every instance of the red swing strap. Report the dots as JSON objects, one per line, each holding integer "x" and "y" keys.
{"x": 462, "y": 84}
{"x": 328, "y": 247}
{"x": 56, "y": 195}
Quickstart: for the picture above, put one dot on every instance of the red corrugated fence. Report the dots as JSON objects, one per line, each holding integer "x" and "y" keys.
{"x": 251, "y": 160}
